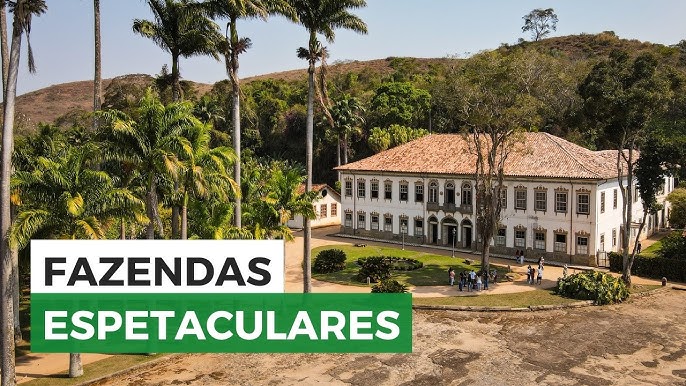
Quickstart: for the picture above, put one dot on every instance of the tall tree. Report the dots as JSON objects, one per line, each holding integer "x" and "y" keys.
{"x": 23, "y": 10}
{"x": 206, "y": 172}
{"x": 622, "y": 96}
{"x": 319, "y": 17}
{"x": 233, "y": 46}
{"x": 346, "y": 114}
{"x": 153, "y": 142}
{"x": 97, "y": 82}
{"x": 182, "y": 29}
{"x": 495, "y": 106}
{"x": 540, "y": 22}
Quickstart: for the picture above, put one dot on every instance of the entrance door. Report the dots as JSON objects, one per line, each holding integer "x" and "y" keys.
{"x": 467, "y": 237}
{"x": 434, "y": 233}
{"x": 452, "y": 234}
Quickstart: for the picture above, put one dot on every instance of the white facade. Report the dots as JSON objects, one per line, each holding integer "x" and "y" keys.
{"x": 563, "y": 219}
{"x": 327, "y": 208}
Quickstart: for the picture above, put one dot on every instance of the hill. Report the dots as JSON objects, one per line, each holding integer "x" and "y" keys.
{"x": 75, "y": 98}
{"x": 64, "y": 102}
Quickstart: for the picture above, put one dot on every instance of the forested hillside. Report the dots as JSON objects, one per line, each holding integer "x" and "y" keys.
{"x": 377, "y": 104}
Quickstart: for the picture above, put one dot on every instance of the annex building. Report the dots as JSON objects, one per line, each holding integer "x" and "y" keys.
{"x": 561, "y": 201}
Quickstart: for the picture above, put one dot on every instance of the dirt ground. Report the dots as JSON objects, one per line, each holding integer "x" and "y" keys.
{"x": 642, "y": 341}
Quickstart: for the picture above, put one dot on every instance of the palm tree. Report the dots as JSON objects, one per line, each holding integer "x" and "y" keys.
{"x": 97, "y": 83}
{"x": 347, "y": 118}
{"x": 205, "y": 173}
{"x": 153, "y": 144}
{"x": 233, "y": 10}
{"x": 319, "y": 17}
{"x": 181, "y": 28}
{"x": 64, "y": 197}
{"x": 23, "y": 10}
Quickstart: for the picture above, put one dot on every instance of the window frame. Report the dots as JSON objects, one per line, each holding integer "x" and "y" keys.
{"x": 520, "y": 241}
{"x": 388, "y": 190}
{"x": 449, "y": 198}
{"x": 388, "y": 223}
{"x": 559, "y": 246}
{"x": 519, "y": 200}
{"x": 404, "y": 186}
{"x": 540, "y": 244}
{"x": 602, "y": 202}
{"x": 348, "y": 187}
{"x": 363, "y": 216}
{"x": 581, "y": 248}
{"x": 537, "y": 200}
{"x": 419, "y": 230}
{"x": 323, "y": 210}
{"x": 374, "y": 225}
{"x": 361, "y": 188}
{"x": 348, "y": 220}
{"x": 580, "y": 205}
{"x": 561, "y": 206}
{"x": 374, "y": 189}
{"x": 418, "y": 192}
{"x": 466, "y": 194}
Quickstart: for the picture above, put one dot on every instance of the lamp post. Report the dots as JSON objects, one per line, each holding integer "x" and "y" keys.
{"x": 454, "y": 235}
{"x": 403, "y": 229}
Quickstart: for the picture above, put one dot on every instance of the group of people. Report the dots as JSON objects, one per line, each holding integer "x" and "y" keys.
{"x": 534, "y": 276}
{"x": 472, "y": 280}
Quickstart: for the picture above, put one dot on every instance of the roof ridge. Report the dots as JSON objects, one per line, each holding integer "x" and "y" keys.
{"x": 550, "y": 138}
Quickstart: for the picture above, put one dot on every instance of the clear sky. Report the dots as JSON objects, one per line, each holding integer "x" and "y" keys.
{"x": 62, "y": 39}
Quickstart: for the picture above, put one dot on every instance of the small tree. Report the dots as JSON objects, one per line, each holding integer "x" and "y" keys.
{"x": 540, "y": 22}
{"x": 677, "y": 213}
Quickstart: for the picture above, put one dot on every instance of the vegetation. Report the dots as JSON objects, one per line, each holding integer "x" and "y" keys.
{"x": 537, "y": 297}
{"x": 374, "y": 268}
{"x": 540, "y": 22}
{"x": 329, "y": 260}
{"x": 389, "y": 286}
{"x": 600, "y": 287}
{"x": 677, "y": 213}
{"x": 434, "y": 269}
{"x": 673, "y": 246}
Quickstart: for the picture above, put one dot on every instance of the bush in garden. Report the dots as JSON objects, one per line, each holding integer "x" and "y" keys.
{"x": 600, "y": 287}
{"x": 377, "y": 268}
{"x": 655, "y": 267}
{"x": 389, "y": 286}
{"x": 330, "y": 260}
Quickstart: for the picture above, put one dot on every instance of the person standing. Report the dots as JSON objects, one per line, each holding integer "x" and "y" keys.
{"x": 485, "y": 275}
{"x": 451, "y": 275}
{"x": 478, "y": 282}
{"x": 461, "y": 283}
{"x": 539, "y": 278}
{"x": 528, "y": 275}
{"x": 533, "y": 275}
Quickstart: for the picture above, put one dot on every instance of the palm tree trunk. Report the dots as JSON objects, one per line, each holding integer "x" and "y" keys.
{"x": 232, "y": 70}
{"x": 3, "y": 47}
{"x": 345, "y": 149}
{"x": 338, "y": 151}
{"x": 8, "y": 364}
{"x": 16, "y": 287}
{"x": 184, "y": 218}
{"x": 14, "y": 251}
{"x": 150, "y": 203}
{"x": 75, "y": 366}
{"x": 307, "y": 237}
{"x": 122, "y": 230}
{"x": 176, "y": 97}
{"x": 97, "y": 83}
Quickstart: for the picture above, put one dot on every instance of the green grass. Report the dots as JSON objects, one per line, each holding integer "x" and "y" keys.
{"x": 538, "y": 297}
{"x": 434, "y": 272}
{"x": 93, "y": 370}
{"x": 652, "y": 250}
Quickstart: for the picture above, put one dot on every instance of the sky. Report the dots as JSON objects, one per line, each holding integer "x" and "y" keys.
{"x": 62, "y": 38}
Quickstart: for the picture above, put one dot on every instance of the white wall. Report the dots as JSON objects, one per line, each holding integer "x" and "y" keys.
{"x": 330, "y": 198}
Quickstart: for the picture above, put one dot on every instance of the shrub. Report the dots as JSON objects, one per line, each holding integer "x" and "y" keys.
{"x": 329, "y": 260}
{"x": 673, "y": 247}
{"x": 404, "y": 263}
{"x": 655, "y": 267}
{"x": 389, "y": 286}
{"x": 377, "y": 268}
{"x": 600, "y": 287}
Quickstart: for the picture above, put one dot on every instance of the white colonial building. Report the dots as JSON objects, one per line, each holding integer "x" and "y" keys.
{"x": 561, "y": 201}
{"x": 326, "y": 207}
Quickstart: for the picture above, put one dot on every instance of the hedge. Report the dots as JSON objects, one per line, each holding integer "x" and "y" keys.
{"x": 600, "y": 287}
{"x": 655, "y": 267}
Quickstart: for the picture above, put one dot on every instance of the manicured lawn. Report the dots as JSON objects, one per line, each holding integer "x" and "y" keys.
{"x": 434, "y": 272}
{"x": 520, "y": 299}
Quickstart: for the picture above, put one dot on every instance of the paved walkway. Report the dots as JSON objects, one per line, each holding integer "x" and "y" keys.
{"x": 34, "y": 366}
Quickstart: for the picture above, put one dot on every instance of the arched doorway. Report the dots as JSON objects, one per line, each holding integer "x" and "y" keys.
{"x": 433, "y": 230}
{"x": 467, "y": 234}
{"x": 449, "y": 231}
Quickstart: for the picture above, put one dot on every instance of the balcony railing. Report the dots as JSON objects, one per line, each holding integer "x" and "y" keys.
{"x": 432, "y": 206}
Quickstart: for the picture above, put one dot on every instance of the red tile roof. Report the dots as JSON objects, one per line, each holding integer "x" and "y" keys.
{"x": 537, "y": 155}
{"x": 315, "y": 188}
